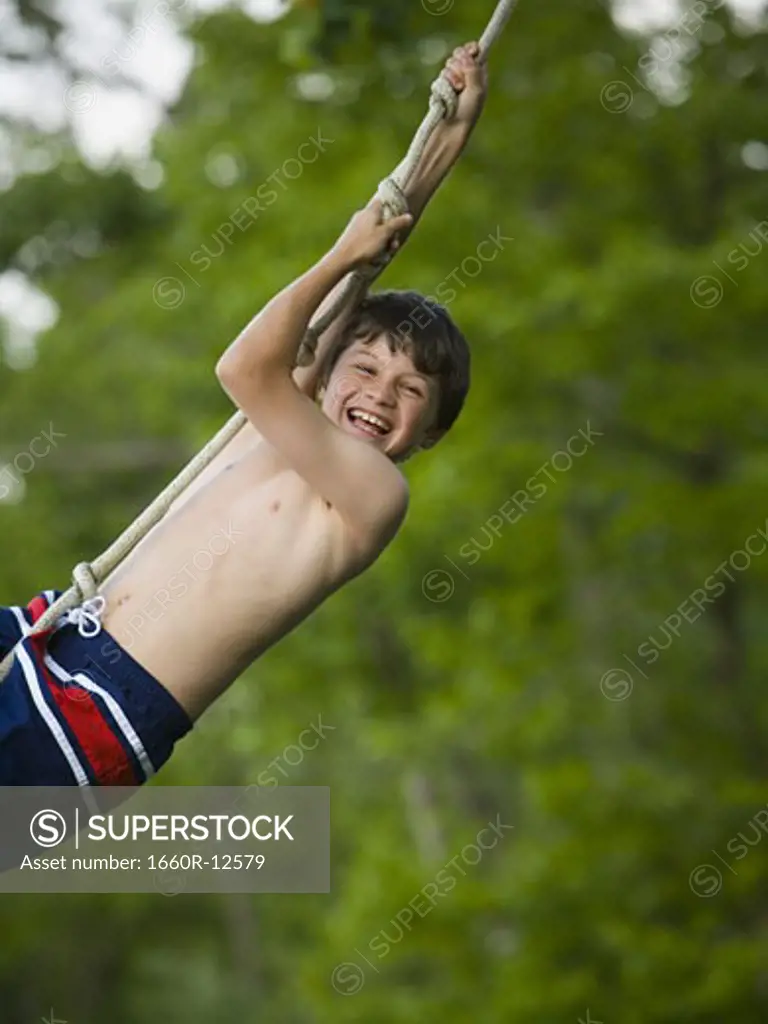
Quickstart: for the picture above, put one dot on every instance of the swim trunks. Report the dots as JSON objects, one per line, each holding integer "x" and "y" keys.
{"x": 76, "y": 708}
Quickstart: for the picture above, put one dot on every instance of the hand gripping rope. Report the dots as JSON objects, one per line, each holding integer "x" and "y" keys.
{"x": 87, "y": 577}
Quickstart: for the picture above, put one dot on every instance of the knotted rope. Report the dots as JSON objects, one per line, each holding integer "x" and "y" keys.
{"x": 87, "y": 578}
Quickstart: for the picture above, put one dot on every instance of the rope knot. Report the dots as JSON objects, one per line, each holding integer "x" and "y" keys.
{"x": 444, "y": 95}
{"x": 84, "y": 581}
{"x": 393, "y": 198}
{"x": 308, "y": 347}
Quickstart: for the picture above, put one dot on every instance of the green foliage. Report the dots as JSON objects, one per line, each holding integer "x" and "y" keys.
{"x": 447, "y": 713}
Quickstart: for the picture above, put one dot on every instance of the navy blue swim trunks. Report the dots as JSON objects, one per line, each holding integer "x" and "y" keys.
{"x": 76, "y": 708}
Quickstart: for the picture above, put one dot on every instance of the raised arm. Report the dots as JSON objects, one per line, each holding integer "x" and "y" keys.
{"x": 256, "y": 371}
{"x": 443, "y": 150}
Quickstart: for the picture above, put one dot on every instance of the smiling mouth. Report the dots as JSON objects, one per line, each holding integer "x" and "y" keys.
{"x": 367, "y": 423}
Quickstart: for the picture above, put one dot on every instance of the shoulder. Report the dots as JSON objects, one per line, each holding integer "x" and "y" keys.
{"x": 398, "y": 501}
{"x": 391, "y": 508}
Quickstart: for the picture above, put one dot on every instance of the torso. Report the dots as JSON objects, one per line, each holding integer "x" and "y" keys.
{"x": 246, "y": 554}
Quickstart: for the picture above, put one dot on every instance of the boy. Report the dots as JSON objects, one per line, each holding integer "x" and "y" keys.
{"x": 304, "y": 498}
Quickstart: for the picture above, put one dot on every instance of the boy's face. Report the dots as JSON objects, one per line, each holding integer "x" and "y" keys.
{"x": 380, "y": 397}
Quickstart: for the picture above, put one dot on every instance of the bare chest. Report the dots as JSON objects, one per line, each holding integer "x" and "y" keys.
{"x": 254, "y": 528}
{"x": 246, "y": 554}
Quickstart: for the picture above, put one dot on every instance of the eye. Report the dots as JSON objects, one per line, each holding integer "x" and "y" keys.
{"x": 412, "y": 389}
{"x": 364, "y": 369}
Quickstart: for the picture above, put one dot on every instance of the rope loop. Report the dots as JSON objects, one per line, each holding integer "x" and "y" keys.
{"x": 444, "y": 95}
{"x": 84, "y": 581}
{"x": 393, "y": 198}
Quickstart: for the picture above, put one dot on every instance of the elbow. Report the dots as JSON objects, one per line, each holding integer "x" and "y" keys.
{"x": 225, "y": 371}
{"x": 242, "y": 381}
{"x": 232, "y": 374}
{"x": 234, "y": 380}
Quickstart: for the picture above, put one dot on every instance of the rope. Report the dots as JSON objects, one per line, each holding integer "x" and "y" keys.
{"x": 442, "y": 105}
{"x": 86, "y": 578}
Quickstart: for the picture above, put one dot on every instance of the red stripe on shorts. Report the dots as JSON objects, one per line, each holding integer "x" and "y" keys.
{"x": 36, "y": 607}
{"x": 106, "y": 756}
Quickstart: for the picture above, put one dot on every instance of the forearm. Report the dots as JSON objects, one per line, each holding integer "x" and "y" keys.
{"x": 443, "y": 150}
{"x": 306, "y": 377}
{"x": 271, "y": 341}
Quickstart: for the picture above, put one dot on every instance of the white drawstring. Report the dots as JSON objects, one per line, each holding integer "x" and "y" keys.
{"x": 87, "y": 617}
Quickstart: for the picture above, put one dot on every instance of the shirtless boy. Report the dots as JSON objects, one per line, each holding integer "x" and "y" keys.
{"x": 307, "y": 495}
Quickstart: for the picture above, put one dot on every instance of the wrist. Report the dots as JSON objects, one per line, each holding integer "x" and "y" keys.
{"x": 337, "y": 262}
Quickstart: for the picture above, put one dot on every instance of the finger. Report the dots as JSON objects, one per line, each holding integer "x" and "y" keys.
{"x": 396, "y": 226}
{"x": 401, "y": 223}
{"x": 376, "y": 206}
{"x": 455, "y": 74}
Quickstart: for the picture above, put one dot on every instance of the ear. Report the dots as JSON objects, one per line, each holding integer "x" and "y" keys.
{"x": 431, "y": 438}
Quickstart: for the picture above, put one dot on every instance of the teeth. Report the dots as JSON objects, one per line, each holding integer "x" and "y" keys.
{"x": 368, "y": 417}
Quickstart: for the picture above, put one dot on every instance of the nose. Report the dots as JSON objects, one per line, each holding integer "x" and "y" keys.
{"x": 383, "y": 393}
